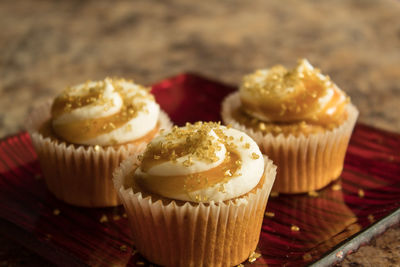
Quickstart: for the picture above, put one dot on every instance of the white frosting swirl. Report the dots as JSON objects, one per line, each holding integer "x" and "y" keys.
{"x": 225, "y": 141}
{"x": 126, "y": 110}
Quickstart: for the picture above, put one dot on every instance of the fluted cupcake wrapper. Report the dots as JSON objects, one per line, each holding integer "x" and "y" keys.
{"x": 174, "y": 233}
{"x": 305, "y": 163}
{"x": 80, "y": 175}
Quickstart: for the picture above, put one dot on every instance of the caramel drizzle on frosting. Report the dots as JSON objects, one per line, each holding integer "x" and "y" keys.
{"x": 199, "y": 145}
{"x": 283, "y": 95}
{"x": 89, "y": 128}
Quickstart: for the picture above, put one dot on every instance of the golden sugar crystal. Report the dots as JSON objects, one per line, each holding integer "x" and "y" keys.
{"x": 336, "y": 187}
{"x": 254, "y": 256}
{"x": 228, "y": 173}
{"x": 103, "y": 218}
{"x": 238, "y": 162}
{"x": 371, "y": 218}
{"x": 140, "y": 263}
{"x": 274, "y": 194}
{"x": 241, "y": 139}
{"x": 246, "y": 145}
{"x": 56, "y": 212}
{"x": 262, "y": 126}
{"x": 254, "y": 155}
{"x": 307, "y": 257}
{"x": 112, "y": 125}
{"x": 361, "y": 193}
{"x": 313, "y": 194}
{"x": 270, "y": 214}
{"x": 295, "y": 228}
{"x": 222, "y": 189}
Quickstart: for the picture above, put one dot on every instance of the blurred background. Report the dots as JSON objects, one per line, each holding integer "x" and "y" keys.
{"x": 46, "y": 46}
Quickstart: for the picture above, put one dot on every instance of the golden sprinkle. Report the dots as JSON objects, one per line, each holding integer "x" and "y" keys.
{"x": 116, "y": 217}
{"x": 123, "y": 248}
{"x": 124, "y": 215}
{"x": 262, "y": 126}
{"x": 246, "y": 145}
{"x": 228, "y": 126}
{"x": 103, "y": 218}
{"x": 295, "y": 228}
{"x": 254, "y": 256}
{"x": 140, "y": 263}
{"x": 336, "y": 187}
{"x": 313, "y": 194}
{"x": 270, "y": 214}
{"x": 274, "y": 194}
{"x": 361, "y": 193}
{"x": 371, "y": 218}
{"x": 254, "y": 155}
{"x": 241, "y": 139}
{"x": 307, "y": 257}
{"x": 97, "y": 148}
{"x": 56, "y": 212}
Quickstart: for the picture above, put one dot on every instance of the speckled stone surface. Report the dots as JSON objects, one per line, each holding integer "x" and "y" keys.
{"x": 48, "y": 45}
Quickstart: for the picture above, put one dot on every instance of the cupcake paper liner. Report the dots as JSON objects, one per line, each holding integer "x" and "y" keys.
{"x": 305, "y": 163}
{"x": 76, "y": 174}
{"x": 177, "y": 233}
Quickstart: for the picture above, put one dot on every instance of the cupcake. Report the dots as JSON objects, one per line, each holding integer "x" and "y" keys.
{"x": 197, "y": 196}
{"x": 299, "y": 118}
{"x": 85, "y": 133}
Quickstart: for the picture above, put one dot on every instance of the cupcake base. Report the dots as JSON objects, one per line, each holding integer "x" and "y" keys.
{"x": 176, "y": 233}
{"x": 80, "y": 175}
{"x": 305, "y": 163}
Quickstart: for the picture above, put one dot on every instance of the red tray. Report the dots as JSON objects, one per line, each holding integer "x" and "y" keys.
{"x": 297, "y": 230}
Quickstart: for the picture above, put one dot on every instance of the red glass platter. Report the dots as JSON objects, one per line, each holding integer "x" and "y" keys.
{"x": 318, "y": 228}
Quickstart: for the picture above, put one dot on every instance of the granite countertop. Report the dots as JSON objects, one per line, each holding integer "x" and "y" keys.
{"x": 48, "y": 45}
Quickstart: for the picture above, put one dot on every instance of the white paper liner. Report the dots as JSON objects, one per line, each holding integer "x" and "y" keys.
{"x": 305, "y": 163}
{"x": 176, "y": 233}
{"x": 80, "y": 175}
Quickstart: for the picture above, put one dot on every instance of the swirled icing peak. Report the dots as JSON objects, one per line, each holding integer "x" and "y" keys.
{"x": 201, "y": 162}
{"x": 301, "y": 94}
{"x": 107, "y": 112}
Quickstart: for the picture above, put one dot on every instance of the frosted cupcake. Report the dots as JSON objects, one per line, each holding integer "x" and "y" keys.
{"x": 84, "y": 134}
{"x": 299, "y": 118}
{"x": 197, "y": 196}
